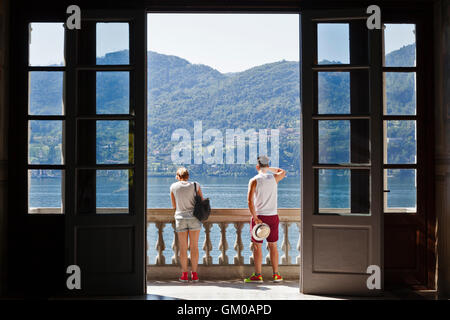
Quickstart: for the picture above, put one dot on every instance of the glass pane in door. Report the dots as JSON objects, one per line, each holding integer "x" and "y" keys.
{"x": 333, "y": 43}
{"x": 113, "y": 43}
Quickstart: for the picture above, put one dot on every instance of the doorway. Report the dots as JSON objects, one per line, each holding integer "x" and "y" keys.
{"x": 222, "y": 88}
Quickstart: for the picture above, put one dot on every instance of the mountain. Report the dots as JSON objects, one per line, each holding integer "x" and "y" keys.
{"x": 180, "y": 93}
{"x": 263, "y": 97}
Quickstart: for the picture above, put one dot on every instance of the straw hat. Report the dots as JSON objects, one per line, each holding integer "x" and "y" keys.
{"x": 260, "y": 231}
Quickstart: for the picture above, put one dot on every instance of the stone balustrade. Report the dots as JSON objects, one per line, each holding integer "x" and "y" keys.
{"x": 227, "y": 267}
{"x": 221, "y": 266}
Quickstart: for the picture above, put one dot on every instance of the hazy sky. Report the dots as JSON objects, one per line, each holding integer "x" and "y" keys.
{"x": 46, "y": 44}
{"x": 226, "y": 42}
{"x": 398, "y": 35}
{"x": 333, "y": 42}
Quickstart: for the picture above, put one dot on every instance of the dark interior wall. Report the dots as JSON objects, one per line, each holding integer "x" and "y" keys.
{"x": 442, "y": 133}
{"x": 4, "y": 47}
{"x": 35, "y": 252}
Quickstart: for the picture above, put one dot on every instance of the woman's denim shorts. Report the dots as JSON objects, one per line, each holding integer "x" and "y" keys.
{"x": 185, "y": 224}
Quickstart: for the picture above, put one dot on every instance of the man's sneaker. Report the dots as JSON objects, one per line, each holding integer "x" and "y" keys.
{"x": 194, "y": 276}
{"x": 254, "y": 278}
{"x": 277, "y": 277}
{"x": 184, "y": 277}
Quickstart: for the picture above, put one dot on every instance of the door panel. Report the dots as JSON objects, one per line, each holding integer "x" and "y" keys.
{"x": 105, "y": 226}
{"x": 93, "y": 245}
{"x": 341, "y": 238}
{"x": 409, "y": 216}
{"x": 328, "y": 242}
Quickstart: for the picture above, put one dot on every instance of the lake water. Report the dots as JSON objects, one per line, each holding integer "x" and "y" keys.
{"x": 224, "y": 192}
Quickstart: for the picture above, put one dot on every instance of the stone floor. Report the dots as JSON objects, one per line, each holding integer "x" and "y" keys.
{"x": 226, "y": 290}
{"x": 238, "y": 290}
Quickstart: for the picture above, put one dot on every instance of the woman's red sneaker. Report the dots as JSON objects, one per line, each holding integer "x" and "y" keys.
{"x": 194, "y": 276}
{"x": 184, "y": 277}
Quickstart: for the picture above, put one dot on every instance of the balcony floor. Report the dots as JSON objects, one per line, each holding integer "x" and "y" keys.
{"x": 238, "y": 290}
{"x": 227, "y": 290}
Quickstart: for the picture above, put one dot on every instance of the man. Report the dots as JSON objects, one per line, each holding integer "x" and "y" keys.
{"x": 262, "y": 203}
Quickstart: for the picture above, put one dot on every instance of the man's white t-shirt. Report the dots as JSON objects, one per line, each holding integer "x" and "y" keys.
{"x": 265, "y": 196}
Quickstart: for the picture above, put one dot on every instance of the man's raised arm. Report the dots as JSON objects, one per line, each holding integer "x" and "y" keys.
{"x": 278, "y": 173}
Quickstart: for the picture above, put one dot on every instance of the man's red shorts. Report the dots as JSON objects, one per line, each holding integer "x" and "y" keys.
{"x": 273, "y": 222}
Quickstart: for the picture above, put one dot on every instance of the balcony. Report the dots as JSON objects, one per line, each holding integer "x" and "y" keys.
{"x": 224, "y": 266}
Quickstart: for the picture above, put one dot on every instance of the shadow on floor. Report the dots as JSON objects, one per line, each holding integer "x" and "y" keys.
{"x": 223, "y": 284}
{"x": 289, "y": 289}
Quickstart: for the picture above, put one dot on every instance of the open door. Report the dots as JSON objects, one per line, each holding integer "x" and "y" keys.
{"x": 342, "y": 191}
{"x": 106, "y": 97}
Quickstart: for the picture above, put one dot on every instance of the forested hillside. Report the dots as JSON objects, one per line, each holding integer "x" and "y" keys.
{"x": 179, "y": 93}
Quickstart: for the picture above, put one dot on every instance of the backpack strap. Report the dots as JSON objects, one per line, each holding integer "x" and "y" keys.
{"x": 195, "y": 188}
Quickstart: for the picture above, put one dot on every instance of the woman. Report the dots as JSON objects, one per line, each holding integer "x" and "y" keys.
{"x": 187, "y": 225}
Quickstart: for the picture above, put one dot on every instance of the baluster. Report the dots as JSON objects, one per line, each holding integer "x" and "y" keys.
{"x": 160, "y": 245}
{"x": 207, "y": 245}
{"x": 286, "y": 246}
{"x": 252, "y": 246}
{"x": 268, "y": 262}
{"x": 238, "y": 245}
{"x": 223, "y": 247}
{"x": 175, "y": 258}
{"x": 299, "y": 243}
